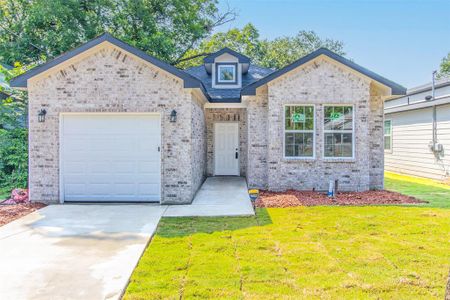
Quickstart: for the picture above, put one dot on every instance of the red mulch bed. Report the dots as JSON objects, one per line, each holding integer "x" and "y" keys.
{"x": 9, "y": 213}
{"x": 310, "y": 198}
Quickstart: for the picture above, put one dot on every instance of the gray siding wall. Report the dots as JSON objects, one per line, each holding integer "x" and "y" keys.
{"x": 411, "y": 135}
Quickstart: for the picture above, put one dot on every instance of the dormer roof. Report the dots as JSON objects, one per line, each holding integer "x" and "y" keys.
{"x": 241, "y": 58}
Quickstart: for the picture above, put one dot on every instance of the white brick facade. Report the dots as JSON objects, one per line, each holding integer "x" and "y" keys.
{"x": 111, "y": 80}
{"x": 107, "y": 79}
{"x": 318, "y": 83}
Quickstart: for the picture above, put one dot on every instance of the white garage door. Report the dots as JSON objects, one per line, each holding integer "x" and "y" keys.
{"x": 110, "y": 157}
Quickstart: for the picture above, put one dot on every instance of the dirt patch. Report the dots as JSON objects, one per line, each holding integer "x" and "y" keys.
{"x": 310, "y": 198}
{"x": 9, "y": 213}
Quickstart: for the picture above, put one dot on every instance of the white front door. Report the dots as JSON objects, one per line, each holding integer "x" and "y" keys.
{"x": 110, "y": 157}
{"x": 226, "y": 149}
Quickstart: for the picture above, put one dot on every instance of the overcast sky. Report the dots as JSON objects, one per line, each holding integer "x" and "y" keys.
{"x": 403, "y": 40}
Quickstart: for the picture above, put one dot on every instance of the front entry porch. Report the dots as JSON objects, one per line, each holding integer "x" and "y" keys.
{"x": 218, "y": 196}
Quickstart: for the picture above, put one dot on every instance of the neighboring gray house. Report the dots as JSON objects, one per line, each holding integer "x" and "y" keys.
{"x": 109, "y": 122}
{"x": 413, "y": 145}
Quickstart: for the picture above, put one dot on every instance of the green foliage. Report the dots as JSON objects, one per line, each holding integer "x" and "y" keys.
{"x": 445, "y": 67}
{"x": 285, "y": 50}
{"x": 33, "y": 31}
{"x": 245, "y": 41}
{"x": 13, "y": 135}
{"x": 275, "y": 53}
{"x": 13, "y": 158}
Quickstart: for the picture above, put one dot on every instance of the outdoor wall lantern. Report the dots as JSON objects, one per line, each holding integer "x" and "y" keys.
{"x": 41, "y": 115}
{"x": 173, "y": 116}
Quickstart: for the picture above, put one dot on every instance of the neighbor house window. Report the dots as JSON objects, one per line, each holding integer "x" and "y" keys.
{"x": 338, "y": 131}
{"x": 226, "y": 73}
{"x": 298, "y": 131}
{"x": 388, "y": 135}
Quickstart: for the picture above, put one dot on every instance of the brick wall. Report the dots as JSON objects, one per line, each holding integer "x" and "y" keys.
{"x": 198, "y": 144}
{"x": 320, "y": 82}
{"x": 257, "y": 113}
{"x": 111, "y": 80}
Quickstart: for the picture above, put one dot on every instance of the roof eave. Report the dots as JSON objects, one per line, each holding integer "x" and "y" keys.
{"x": 241, "y": 58}
{"x": 189, "y": 81}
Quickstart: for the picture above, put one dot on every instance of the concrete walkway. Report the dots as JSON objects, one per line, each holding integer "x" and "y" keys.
{"x": 74, "y": 251}
{"x": 89, "y": 251}
{"x": 218, "y": 196}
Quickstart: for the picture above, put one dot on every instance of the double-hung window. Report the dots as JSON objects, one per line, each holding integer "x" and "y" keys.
{"x": 299, "y": 131}
{"x": 388, "y": 135}
{"x": 338, "y": 131}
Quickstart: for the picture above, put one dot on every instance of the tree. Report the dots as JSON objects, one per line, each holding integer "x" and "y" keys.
{"x": 445, "y": 67}
{"x": 34, "y": 31}
{"x": 13, "y": 134}
{"x": 245, "y": 41}
{"x": 275, "y": 53}
{"x": 285, "y": 50}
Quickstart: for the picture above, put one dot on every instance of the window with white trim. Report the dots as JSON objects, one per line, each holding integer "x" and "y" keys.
{"x": 226, "y": 73}
{"x": 338, "y": 131}
{"x": 299, "y": 131}
{"x": 388, "y": 135}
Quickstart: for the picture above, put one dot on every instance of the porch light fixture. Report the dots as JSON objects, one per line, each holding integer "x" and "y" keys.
{"x": 173, "y": 116}
{"x": 41, "y": 115}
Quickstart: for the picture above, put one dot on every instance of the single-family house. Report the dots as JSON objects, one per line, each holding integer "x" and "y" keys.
{"x": 417, "y": 132}
{"x": 108, "y": 122}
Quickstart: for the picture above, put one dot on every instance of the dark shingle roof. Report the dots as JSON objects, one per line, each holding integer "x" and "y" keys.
{"x": 189, "y": 81}
{"x": 197, "y": 77}
{"x": 254, "y": 74}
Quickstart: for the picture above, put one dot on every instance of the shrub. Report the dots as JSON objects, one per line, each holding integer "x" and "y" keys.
{"x": 13, "y": 158}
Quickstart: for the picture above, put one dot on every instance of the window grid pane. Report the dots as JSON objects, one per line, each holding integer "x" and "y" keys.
{"x": 338, "y": 127}
{"x": 299, "y": 131}
{"x": 387, "y": 135}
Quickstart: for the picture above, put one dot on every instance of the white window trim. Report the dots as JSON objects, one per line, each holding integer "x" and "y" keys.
{"x": 313, "y": 157}
{"x": 234, "y": 80}
{"x": 338, "y": 131}
{"x": 390, "y": 135}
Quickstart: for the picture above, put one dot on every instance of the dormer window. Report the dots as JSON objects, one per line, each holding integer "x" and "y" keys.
{"x": 226, "y": 73}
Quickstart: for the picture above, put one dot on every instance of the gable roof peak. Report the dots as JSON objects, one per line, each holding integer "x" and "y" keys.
{"x": 241, "y": 57}
{"x": 396, "y": 89}
{"x": 189, "y": 81}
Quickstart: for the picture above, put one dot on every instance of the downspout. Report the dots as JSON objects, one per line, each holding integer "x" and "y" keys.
{"x": 433, "y": 96}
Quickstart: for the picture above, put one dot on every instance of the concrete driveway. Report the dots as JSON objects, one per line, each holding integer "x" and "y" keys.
{"x": 74, "y": 251}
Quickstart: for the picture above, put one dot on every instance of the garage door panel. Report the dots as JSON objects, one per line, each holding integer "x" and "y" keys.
{"x": 149, "y": 166}
{"x": 111, "y": 157}
{"x": 146, "y": 188}
{"x": 74, "y": 189}
{"x": 98, "y": 189}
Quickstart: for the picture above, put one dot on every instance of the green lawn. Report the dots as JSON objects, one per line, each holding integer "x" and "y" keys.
{"x": 436, "y": 193}
{"x": 303, "y": 252}
{"x": 394, "y": 252}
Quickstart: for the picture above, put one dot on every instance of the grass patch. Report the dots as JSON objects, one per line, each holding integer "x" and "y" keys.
{"x": 4, "y": 193}
{"x": 300, "y": 252}
{"x": 436, "y": 193}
